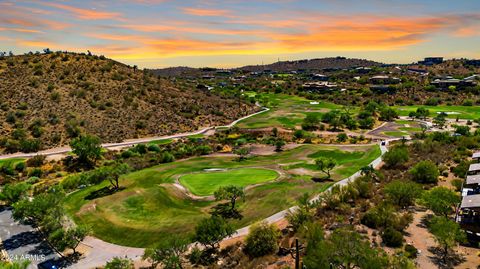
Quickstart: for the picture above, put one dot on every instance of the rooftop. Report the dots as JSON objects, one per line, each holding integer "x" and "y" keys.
{"x": 472, "y": 180}
{"x": 476, "y": 155}
{"x": 471, "y": 201}
{"x": 474, "y": 167}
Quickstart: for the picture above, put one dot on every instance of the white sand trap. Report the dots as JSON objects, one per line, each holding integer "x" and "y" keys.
{"x": 449, "y": 112}
{"x": 214, "y": 169}
{"x": 314, "y": 103}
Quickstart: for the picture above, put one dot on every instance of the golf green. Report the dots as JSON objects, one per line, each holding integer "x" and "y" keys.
{"x": 206, "y": 183}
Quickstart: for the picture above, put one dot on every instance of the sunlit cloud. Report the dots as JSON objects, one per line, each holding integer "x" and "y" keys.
{"x": 86, "y": 14}
{"x": 207, "y": 12}
{"x": 146, "y": 30}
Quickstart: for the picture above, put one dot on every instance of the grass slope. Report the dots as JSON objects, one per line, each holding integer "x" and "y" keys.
{"x": 149, "y": 207}
{"x": 464, "y": 112}
{"x": 207, "y": 183}
{"x": 286, "y": 111}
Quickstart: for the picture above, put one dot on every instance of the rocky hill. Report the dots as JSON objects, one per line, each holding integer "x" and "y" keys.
{"x": 47, "y": 99}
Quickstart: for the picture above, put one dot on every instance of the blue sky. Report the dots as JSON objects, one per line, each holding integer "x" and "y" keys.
{"x": 230, "y": 33}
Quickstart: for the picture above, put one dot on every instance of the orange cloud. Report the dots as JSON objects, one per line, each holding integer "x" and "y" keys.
{"x": 86, "y": 14}
{"x": 20, "y": 30}
{"x": 207, "y": 12}
{"x": 38, "y": 44}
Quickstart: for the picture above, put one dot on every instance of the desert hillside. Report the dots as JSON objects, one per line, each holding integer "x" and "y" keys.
{"x": 47, "y": 99}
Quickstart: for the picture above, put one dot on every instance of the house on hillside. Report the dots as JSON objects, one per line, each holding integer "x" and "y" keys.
{"x": 383, "y": 84}
{"x": 319, "y": 87}
{"x": 431, "y": 60}
{"x": 384, "y": 80}
{"x": 468, "y": 212}
{"x": 319, "y": 77}
{"x": 474, "y": 169}
{"x": 446, "y": 82}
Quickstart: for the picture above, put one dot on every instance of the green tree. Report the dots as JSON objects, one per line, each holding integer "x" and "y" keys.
{"x": 87, "y": 148}
{"x": 425, "y": 172}
{"x": 325, "y": 165}
{"x": 440, "y": 120}
{"x": 447, "y": 233}
{"x": 422, "y": 113}
{"x": 119, "y": 263}
{"x": 12, "y": 193}
{"x": 209, "y": 232}
{"x": 231, "y": 193}
{"x": 395, "y": 157}
{"x": 74, "y": 236}
{"x": 441, "y": 200}
{"x": 114, "y": 173}
{"x": 242, "y": 153}
{"x": 262, "y": 239}
{"x": 168, "y": 253}
{"x": 279, "y": 144}
{"x": 388, "y": 114}
{"x": 310, "y": 122}
{"x": 402, "y": 193}
{"x": 14, "y": 265}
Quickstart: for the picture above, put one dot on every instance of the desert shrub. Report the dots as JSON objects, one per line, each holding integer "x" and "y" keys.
{"x": 36, "y": 161}
{"x": 35, "y": 172}
{"x": 425, "y": 172}
{"x": 30, "y": 145}
{"x": 167, "y": 157}
{"x": 411, "y": 251}
{"x": 457, "y": 183}
{"x": 154, "y": 148}
{"x": 262, "y": 240}
{"x": 19, "y": 167}
{"x": 392, "y": 237}
{"x": 396, "y": 156}
{"x": 342, "y": 137}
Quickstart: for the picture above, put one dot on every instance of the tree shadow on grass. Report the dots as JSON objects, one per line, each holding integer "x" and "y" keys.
{"x": 105, "y": 191}
{"x": 225, "y": 211}
{"x": 453, "y": 259}
{"x": 322, "y": 179}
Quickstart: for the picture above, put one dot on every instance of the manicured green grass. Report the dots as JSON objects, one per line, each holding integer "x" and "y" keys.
{"x": 196, "y": 136}
{"x": 150, "y": 207}
{"x": 161, "y": 142}
{"x": 347, "y": 162}
{"x": 411, "y": 129}
{"x": 395, "y": 133}
{"x": 405, "y": 122}
{"x": 11, "y": 161}
{"x": 465, "y": 112}
{"x": 206, "y": 183}
{"x": 287, "y": 111}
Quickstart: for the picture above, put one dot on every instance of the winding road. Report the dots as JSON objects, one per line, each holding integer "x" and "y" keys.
{"x": 130, "y": 142}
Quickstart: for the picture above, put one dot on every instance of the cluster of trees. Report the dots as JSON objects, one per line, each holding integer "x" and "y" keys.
{"x": 45, "y": 212}
{"x": 338, "y": 119}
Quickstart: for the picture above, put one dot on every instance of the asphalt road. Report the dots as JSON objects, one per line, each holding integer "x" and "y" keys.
{"x": 23, "y": 242}
{"x": 66, "y": 149}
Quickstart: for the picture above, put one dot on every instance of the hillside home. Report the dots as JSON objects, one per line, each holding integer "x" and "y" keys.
{"x": 319, "y": 87}
{"x": 468, "y": 212}
{"x": 431, "y": 60}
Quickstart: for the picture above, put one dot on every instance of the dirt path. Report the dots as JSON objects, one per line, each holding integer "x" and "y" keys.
{"x": 419, "y": 237}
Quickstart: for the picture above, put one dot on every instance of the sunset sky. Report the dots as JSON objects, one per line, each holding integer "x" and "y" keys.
{"x": 228, "y": 33}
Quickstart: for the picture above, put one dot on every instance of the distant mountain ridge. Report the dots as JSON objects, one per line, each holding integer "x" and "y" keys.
{"x": 281, "y": 66}
{"x": 312, "y": 64}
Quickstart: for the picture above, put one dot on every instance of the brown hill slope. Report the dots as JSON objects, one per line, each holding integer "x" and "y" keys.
{"x": 53, "y": 97}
